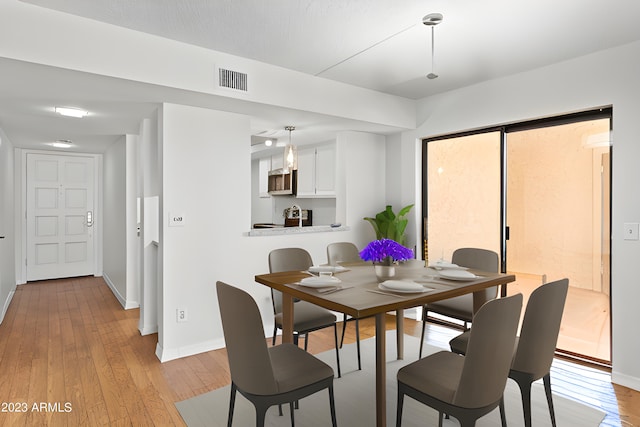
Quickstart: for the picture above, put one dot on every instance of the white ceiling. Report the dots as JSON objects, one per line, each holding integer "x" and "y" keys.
{"x": 378, "y": 44}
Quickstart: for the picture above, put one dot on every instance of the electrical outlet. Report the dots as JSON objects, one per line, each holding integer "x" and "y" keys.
{"x": 181, "y": 315}
{"x": 631, "y": 231}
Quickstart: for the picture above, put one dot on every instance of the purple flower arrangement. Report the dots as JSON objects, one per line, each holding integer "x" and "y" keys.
{"x": 385, "y": 251}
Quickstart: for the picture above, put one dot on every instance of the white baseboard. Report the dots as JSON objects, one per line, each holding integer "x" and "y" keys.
{"x": 148, "y": 330}
{"x": 165, "y": 354}
{"x": 5, "y": 307}
{"x": 625, "y": 380}
{"x": 127, "y": 305}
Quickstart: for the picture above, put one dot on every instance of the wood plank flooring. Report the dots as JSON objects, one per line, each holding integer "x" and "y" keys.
{"x": 71, "y": 356}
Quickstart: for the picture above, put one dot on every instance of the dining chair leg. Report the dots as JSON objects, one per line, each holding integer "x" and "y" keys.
{"x": 260, "y": 415}
{"x": 275, "y": 332}
{"x": 503, "y": 416}
{"x": 332, "y": 406}
{"x": 547, "y": 389}
{"x": 358, "y": 343}
{"x": 344, "y": 328}
{"x": 306, "y": 341}
{"x": 335, "y": 335}
{"x": 399, "y": 408}
{"x": 293, "y": 421}
{"x": 524, "y": 382}
{"x": 232, "y": 403}
{"x": 424, "y": 324}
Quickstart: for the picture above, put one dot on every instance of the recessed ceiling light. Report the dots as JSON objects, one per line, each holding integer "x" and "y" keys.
{"x": 62, "y": 143}
{"x": 71, "y": 112}
{"x": 268, "y": 142}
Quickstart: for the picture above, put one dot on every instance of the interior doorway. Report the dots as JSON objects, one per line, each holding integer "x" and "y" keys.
{"x": 539, "y": 195}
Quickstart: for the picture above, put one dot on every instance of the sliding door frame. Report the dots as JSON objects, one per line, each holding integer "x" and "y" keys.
{"x": 604, "y": 112}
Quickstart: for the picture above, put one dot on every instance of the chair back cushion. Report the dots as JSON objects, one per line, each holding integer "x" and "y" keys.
{"x": 489, "y": 353}
{"x": 540, "y": 329}
{"x": 287, "y": 259}
{"x": 342, "y": 252}
{"x": 249, "y": 360}
{"x": 479, "y": 259}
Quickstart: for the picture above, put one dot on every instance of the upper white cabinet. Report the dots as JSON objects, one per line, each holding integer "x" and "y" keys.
{"x": 317, "y": 171}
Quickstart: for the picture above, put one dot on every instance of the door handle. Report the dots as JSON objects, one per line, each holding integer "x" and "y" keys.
{"x": 89, "y": 218}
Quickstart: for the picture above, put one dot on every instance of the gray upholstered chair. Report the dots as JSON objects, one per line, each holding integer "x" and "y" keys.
{"x": 536, "y": 345}
{"x": 467, "y": 387}
{"x": 346, "y": 252}
{"x": 307, "y": 317}
{"x": 266, "y": 376}
{"x": 462, "y": 307}
{"x": 342, "y": 252}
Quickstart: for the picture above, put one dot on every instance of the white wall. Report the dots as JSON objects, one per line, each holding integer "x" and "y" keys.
{"x": 114, "y": 220}
{"x": 120, "y": 259}
{"x": 7, "y": 226}
{"x": 148, "y": 194}
{"x": 605, "y": 78}
{"x": 206, "y": 178}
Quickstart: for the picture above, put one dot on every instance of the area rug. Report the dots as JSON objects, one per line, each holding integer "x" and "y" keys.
{"x": 355, "y": 399}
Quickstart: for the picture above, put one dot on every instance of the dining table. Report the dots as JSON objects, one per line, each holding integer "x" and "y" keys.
{"x": 359, "y": 295}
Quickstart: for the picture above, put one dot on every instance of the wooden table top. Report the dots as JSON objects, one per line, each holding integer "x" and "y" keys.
{"x": 359, "y": 301}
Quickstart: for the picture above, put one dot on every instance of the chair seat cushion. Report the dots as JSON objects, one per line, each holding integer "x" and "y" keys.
{"x": 294, "y": 368}
{"x": 459, "y": 344}
{"x": 308, "y": 317}
{"x": 458, "y": 307}
{"x": 437, "y": 375}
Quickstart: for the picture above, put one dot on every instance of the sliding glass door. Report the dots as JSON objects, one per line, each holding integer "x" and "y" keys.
{"x": 537, "y": 193}
{"x": 463, "y": 202}
{"x": 557, "y": 213}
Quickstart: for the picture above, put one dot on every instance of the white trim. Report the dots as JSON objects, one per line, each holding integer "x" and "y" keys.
{"x": 165, "y": 355}
{"x": 148, "y": 330}
{"x": 6, "y": 305}
{"x": 127, "y": 305}
{"x": 625, "y": 380}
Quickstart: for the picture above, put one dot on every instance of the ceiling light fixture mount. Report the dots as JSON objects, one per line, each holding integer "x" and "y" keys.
{"x": 431, "y": 20}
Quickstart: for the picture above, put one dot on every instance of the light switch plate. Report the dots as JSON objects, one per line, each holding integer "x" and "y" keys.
{"x": 631, "y": 231}
{"x": 176, "y": 220}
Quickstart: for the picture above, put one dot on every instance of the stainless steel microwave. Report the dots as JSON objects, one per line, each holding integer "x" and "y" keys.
{"x": 282, "y": 182}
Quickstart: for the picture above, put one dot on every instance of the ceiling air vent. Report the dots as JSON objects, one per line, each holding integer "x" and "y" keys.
{"x": 232, "y": 79}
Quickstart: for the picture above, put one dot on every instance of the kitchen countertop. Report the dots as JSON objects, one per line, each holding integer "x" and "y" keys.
{"x": 279, "y": 231}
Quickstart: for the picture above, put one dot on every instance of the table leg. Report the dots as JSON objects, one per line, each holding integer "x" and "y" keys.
{"x": 400, "y": 333}
{"x": 477, "y": 301}
{"x": 381, "y": 374}
{"x": 287, "y": 318}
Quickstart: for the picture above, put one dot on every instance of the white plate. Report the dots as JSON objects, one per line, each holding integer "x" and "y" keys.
{"x": 402, "y": 286}
{"x": 319, "y": 281}
{"x": 326, "y": 268}
{"x": 443, "y": 265}
{"x": 462, "y": 275}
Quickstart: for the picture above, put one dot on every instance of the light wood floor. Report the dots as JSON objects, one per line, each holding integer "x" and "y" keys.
{"x": 586, "y": 321}
{"x": 68, "y": 344}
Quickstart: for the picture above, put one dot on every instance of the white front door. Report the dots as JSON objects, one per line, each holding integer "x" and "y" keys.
{"x": 60, "y": 209}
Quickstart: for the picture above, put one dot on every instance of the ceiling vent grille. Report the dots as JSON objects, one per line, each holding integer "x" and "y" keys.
{"x": 232, "y": 79}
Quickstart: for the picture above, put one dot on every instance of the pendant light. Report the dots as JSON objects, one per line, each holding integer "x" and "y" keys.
{"x": 431, "y": 20}
{"x": 290, "y": 152}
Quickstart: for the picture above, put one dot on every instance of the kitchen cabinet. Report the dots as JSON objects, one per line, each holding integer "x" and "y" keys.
{"x": 317, "y": 171}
